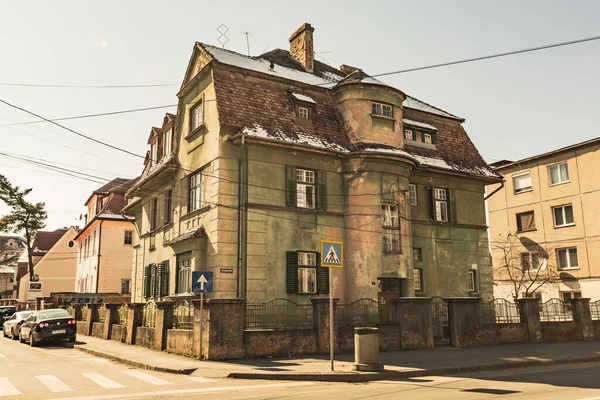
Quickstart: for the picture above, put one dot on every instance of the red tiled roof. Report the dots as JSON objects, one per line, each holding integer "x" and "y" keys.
{"x": 45, "y": 240}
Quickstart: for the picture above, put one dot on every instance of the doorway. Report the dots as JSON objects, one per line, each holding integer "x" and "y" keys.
{"x": 388, "y": 289}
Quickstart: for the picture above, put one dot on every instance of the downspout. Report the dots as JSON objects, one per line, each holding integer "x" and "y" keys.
{"x": 133, "y": 287}
{"x": 495, "y": 191}
{"x": 98, "y": 260}
{"x": 241, "y": 261}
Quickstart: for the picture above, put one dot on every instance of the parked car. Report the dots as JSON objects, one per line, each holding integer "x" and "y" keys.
{"x": 6, "y": 312}
{"x": 48, "y": 325}
{"x": 12, "y": 326}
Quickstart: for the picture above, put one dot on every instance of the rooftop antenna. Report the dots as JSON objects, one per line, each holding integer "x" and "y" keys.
{"x": 247, "y": 33}
{"x": 223, "y": 39}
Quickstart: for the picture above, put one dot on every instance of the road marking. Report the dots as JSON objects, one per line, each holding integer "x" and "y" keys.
{"x": 53, "y": 383}
{"x": 6, "y": 388}
{"x": 200, "y": 379}
{"x": 103, "y": 381}
{"x": 148, "y": 378}
{"x": 189, "y": 391}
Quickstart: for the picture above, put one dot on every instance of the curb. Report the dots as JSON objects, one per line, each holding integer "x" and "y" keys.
{"x": 388, "y": 375}
{"x": 181, "y": 371}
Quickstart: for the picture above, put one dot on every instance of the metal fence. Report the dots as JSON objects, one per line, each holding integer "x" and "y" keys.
{"x": 555, "y": 310}
{"x": 364, "y": 312}
{"x": 102, "y": 313}
{"x": 595, "y": 309}
{"x": 71, "y": 310}
{"x": 183, "y": 316}
{"x": 439, "y": 316}
{"x": 149, "y": 315}
{"x": 279, "y": 314}
{"x": 123, "y": 313}
{"x": 84, "y": 313}
{"x": 499, "y": 311}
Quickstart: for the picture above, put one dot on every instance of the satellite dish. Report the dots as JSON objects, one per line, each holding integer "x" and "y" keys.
{"x": 71, "y": 243}
{"x": 35, "y": 278}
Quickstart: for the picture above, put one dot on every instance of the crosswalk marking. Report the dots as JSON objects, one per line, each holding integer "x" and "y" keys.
{"x": 103, "y": 381}
{"x": 200, "y": 379}
{"x": 53, "y": 383}
{"x": 148, "y": 378}
{"x": 6, "y": 388}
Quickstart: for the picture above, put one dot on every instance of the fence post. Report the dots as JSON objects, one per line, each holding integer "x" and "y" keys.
{"x": 91, "y": 317}
{"x": 77, "y": 311}
{"x": 164, "y": 311}
{"x": 583, "y": 318}
{"x": 134, "y": 319}
{"x": 415, "y": 324}
{"x": 225, "y": 331}
{"x": 529, "y": 308}
{"x": 321, "y": 323}
{"x": 200, "y": 319}
{"x": 112, "y": 313}
{"x": 463, "y": 320}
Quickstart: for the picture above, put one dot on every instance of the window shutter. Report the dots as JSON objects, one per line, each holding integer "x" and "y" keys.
{"x": 164, "y": 279}
{"x": 451, "y": 194}
{"x": 323, "y": 277}
{"x": 432, "y": 202}
{"x": 290, "y": 179}
{"x": 292, "y": 272}
{"x": 322, "y": 190}
{"x": 147, "y": 281}
{"x": 184, "y": 195}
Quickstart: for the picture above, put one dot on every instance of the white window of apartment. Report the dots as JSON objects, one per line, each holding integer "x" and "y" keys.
{"x": 390, "y": 224}
{"x": 382, "y": 109}
{"x": 196, "y": 191}
{"x": 303, "y": 112}
{"x": 567, "y": 296}
{"x": 563, "y": 216}
{"x": 307, "y": 272}
{"x": 559, "y": 173}
{"x": 522, "y": 182}
{"x": 472, "y": 280}
{"x": 184, "y": 272}
{"x": 441, "y": 204}
{"x": 128, "y": 239}
{"x": 305, "y": 188}
{"x": 567, "y": 258}
{"x": 530, "y": 261}
{"x": 196, "y": 116}
{"x": 167, "y": 142}
{"x": 412, "y": 194}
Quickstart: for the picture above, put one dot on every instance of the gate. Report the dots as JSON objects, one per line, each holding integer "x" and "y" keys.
{"x": 439, "y": 314}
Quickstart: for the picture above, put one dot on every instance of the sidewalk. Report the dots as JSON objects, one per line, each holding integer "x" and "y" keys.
{"x": 398, "y": 364}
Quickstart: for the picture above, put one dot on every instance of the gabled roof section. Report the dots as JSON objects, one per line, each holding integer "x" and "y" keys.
{"x": 117, "y": 185}
{"x": 44, "y": 240}
{"x": 168, "y": 119}
{"x": 153, "y": 133}
{"x": 199, "y": 58}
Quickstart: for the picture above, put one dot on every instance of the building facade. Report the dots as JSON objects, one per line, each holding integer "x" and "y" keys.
{"x": 11, "y": 248}
{"x": 269, "y": 155}
{"x": 549, "y": 203}
{"x": 105, "y": 244}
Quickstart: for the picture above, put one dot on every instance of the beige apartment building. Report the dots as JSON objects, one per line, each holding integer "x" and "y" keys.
{"x": 551, "y": 203}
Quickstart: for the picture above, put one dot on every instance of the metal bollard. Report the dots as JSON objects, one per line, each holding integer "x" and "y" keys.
{"x": 366, "y": 350}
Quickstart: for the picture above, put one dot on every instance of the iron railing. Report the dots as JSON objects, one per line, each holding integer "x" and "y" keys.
{"x": 595, "y": 309}
{"x": 439, "y": 316}
{"x": 84, "y": 312}
{"x": 183, "y": 316}
{"x": 149, "y": 315}
{"x": 499, "y": 311}
{"x": 123, "y": 313}
{"x": 555, "y": 310}
{"x": 279, "y": 314}
{"x": 71, "y": 310}
{"x": 365, "y": 312}
{"x": 102, "y": 313}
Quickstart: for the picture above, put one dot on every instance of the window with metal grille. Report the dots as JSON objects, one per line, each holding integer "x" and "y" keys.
{"x": 418, "y": 279}
{"x": 125, "y": 286}
{"x": 128, "y": 239}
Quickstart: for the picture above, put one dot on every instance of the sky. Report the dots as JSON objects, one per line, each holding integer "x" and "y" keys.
{"x": 514, "y": 107}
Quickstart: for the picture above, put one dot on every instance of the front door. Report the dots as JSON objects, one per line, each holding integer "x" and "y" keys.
{"x": 388, "y": 289}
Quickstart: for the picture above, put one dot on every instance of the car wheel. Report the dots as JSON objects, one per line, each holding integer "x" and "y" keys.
{"x": 21, "y": 340}
{"x": 32, "y": 341}
{"x": 12, "y": 334}
{"x": 4, "y": 332}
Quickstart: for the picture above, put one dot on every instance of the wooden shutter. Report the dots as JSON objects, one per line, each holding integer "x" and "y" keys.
{"x": 292, "y": 272}
{"x": 290, "y": 179}
{"x": 432, "y": 202}
{"x": 323, "y": 277}
{"x": 147, "y": 280}
{"x": 322, "y": 190}
{"x": 451, "y": 194}
{"x": 163, "y": 285}
{"x": 184, "y": 195}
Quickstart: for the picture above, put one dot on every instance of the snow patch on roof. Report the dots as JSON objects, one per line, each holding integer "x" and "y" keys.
{"x": 303, "y": 97}
{"x": 418, "y": 124}
{"x": 110, "y": 215}
{"x": 416, "y": 104}
{"x": 5, "y": 269}
{"x": 395, "y": 152}
{"x": 316, "y": 142}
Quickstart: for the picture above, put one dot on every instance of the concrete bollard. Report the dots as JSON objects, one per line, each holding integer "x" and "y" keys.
{"x": 366, "y": 350}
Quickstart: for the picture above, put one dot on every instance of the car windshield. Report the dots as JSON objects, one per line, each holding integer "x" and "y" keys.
{"x": 7, "y": 311}
{"x": 49, "y": 314}
{"x": 23, "y": 314}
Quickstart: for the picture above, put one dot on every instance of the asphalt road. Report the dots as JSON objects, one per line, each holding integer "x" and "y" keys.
{"x": 57, "y": 371}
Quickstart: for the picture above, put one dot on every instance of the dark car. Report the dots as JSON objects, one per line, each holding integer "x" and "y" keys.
{"x": 6, "y": 312}
{"x": 48, "y": 325}
{"x": 12, "y": 326}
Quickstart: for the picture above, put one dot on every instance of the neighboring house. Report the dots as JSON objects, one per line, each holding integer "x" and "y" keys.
{"x": 550, "y": 201}
{"x": 269, "y": 155}
{"x": 7, "y": 277}
{"x": 11, "y": 248}
{"x": 105, "y": 244}
{"x": 56, "y": 268}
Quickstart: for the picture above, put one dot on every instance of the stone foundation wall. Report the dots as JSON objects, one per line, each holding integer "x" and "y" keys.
{"x": 564, "y": 331}
{"x": 98, "y": 329}
{"x": 118, "y": 333}
{"x": 144, "y": 336}
{"x": 494, "y": 334}
{"x": 280, "y": 343}
{"x": 81, "y": 328}
{"x": 180, "y": 341}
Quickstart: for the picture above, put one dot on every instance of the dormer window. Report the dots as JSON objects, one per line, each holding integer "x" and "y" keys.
{"x": 384, "y": 110}
{"x": 303, "y": 112}
{"x": 409, "y": 134}
{"x": 167, "y": 142}
{"x": 427, "y": 138}
{"x": 153, "y": 153}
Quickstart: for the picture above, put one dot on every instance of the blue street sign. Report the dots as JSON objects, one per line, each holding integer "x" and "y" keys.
{"x": 202, "y": 281}
{"x": 332, "y": 254}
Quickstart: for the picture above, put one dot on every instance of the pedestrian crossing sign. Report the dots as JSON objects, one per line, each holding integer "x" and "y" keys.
{"x": 332, "y": 254}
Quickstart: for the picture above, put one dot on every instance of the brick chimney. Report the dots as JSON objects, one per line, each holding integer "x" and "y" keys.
{"x": 301, "y": 47}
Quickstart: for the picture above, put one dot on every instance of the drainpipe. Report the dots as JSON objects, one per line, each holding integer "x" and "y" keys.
{"x": 241, "y": 261}
{"x": 98, "y": 260}
{"x": 495, "y": 191}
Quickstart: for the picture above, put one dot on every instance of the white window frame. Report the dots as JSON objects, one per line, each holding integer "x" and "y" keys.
{"x": 472, "y": 276}
{"x": 568, "y": 253}
{"x": 303, "y": 112}
{"x": 559, "y": 171}
{"x": 390, "y": 216}
{"x": 307, "y": 269}
{"x": 412, "y": 194}
{"x": 168, "y": 142}
{"x": 564, "y": 215}
{"x": 427, "y": 136}
{"x": 534, "y": 267}
{"x": 196, "y": 194}
{"x": 441, "y": 204}
{"x": 409, "y": 132}
{"x": 524, "y": 189}
{"x": 196, "y": 115}
{"x": 382, "y": 109}
{"x": 390, "y": 222}
{"x": 184, "y": 272}
{"x": 306, "y": 194}
{"x": 153, "y": 153}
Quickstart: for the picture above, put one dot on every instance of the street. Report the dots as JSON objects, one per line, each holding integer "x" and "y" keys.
{"x": 57, "y": 371}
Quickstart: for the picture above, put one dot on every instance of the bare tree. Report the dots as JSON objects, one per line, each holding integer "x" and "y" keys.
{"x": 525, "y": 265}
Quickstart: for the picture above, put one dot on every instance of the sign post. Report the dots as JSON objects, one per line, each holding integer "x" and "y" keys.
{"x": 332, "y": 255}
{"x": 202, "y": 281}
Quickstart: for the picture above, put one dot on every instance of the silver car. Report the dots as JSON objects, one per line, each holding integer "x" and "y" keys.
{"x": 12, "y": 326}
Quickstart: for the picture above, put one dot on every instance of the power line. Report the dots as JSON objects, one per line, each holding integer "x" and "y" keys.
{"x": 87, "y": 86}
